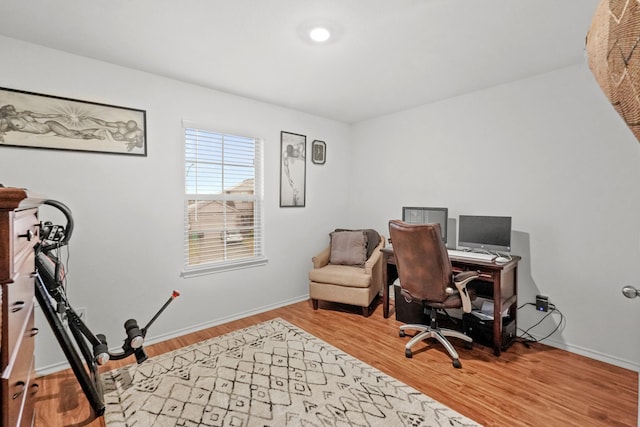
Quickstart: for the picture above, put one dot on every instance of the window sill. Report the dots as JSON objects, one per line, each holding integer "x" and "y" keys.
{"x": 222, "y": 267}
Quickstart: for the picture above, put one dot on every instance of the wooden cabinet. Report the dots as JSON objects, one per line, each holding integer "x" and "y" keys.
{"x": 18, "y": 236}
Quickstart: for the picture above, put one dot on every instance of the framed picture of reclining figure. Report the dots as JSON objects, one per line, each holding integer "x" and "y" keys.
{"x": 33, "y": 120}
{"x": 293, "y": 169}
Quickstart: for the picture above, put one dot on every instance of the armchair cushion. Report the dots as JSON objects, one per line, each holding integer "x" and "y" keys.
{"x": 348, "y": 248}
{"x": 341, "y": 275}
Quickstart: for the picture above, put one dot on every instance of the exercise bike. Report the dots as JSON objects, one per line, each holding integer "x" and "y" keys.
{"x": 84, "y": 350}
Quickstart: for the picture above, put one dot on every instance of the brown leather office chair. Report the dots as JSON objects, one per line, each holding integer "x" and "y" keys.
{"x": 425, "y": 274}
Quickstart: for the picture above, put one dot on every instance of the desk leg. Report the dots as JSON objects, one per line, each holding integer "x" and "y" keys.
{"x": 497, "y": 311}
{"x": 389, "y": 275}
{"x": 497, "y": 332}
{"x": 497, "y": 319}
{"x": 505, "y": 291}
{"x": 385, "y": 290}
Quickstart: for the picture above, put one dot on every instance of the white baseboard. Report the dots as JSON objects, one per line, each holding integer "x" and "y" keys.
{"x": 606, "y": 358}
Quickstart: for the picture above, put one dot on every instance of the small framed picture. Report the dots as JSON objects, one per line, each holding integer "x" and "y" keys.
{"x": 293, "y": 169}
{"x": 318, "y": 152}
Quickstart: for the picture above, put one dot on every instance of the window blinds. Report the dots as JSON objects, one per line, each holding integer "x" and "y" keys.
{"x": 223, "y": 201}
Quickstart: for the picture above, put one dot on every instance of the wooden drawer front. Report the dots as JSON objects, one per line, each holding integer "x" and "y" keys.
{"x": 17, "y": 308}
{"x": 25, "y": 233}
{"x": 16, "y": 386}
{"x": 28, "y": 412}
{"x": 25, "y": 265}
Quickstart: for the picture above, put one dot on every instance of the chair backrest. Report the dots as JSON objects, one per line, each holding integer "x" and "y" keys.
{"x": 422, "y": 260}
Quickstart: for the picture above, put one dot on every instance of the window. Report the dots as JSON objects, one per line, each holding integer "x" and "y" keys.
{"x": 223, "y": 202}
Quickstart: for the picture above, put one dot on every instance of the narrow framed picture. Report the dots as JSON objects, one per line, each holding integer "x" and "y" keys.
{"x": 293, "y": 169}
{"x": 318, "y": 152}
{"x": 34, "y": 120}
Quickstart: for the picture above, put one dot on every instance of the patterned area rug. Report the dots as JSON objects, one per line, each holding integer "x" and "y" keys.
{"x": 271, "y": 374}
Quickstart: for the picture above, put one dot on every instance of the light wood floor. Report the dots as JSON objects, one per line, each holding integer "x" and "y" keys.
{"x": 526, "y": 386}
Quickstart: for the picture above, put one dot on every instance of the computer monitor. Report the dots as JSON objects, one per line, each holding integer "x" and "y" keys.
{"x": 427, "y": 215}
{"x": 485, "y": 232}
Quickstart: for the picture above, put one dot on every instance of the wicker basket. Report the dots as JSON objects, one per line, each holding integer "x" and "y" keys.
{"x": 613, "y": 51}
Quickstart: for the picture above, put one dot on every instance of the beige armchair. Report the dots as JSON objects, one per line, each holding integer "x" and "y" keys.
{"x": 345, "y": 272}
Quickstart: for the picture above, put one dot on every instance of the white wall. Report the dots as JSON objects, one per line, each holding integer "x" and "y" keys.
{"x": 549, "y": 151}
{"x": 126, "y": 252}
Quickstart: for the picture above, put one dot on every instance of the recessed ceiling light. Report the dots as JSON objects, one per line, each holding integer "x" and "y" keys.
{"x": 319, "y": 34}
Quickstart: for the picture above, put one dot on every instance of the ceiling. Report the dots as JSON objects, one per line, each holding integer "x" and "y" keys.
{"x": 389, "y": 55}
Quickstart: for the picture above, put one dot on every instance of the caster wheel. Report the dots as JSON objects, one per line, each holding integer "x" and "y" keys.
{"x": 457, "y": 364}
{"x": 407, "y": 353}
{"x": 402, "y": 334}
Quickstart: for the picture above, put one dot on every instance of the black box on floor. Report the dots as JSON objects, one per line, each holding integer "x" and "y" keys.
{"x": 409, "y": 312}
{"x": 482, "y": 330}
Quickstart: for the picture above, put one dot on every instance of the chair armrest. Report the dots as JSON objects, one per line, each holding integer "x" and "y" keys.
{"x": 322, "y": 258}
{"x": 374, "y": 258}
{"x": 461, "y": 280}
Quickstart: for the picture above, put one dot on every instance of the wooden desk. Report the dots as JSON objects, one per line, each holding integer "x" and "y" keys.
{"x": 497, "y": 281}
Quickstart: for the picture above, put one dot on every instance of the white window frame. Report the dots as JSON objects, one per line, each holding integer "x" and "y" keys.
{"x": 257, "y": 258}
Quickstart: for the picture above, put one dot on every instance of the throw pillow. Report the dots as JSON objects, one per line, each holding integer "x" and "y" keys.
{"x": 373, "y": 238}
{"x": 348, "y": 248}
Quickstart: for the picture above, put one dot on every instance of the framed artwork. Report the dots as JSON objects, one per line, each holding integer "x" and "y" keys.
{"x": 44, "y": 121}
{"x": 293, "y": 169}
{"x": 318, "y": 152}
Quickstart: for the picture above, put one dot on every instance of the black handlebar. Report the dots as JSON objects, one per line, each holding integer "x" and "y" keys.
{"x": 67, "y": 228}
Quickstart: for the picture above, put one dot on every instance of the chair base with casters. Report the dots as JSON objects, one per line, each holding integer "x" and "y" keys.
{"x": 434, "y": 331}
{"x": 461, "y": 296}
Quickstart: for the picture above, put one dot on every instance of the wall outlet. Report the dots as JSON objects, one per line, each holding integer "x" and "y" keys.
{"x": 542, "y": 303}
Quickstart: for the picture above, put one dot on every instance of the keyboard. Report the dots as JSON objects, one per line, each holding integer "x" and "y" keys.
{"x": 471, "y": 255}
